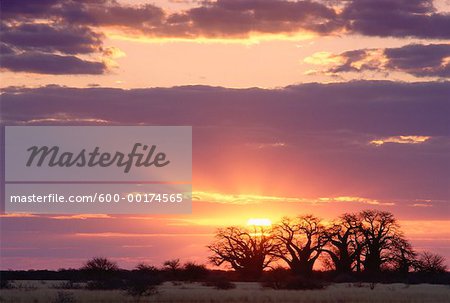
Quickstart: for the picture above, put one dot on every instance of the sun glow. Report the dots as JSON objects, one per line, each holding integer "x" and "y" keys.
{"x": 259, "y": 222}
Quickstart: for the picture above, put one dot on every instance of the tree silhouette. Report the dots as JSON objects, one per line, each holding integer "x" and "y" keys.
{"x": 380, "y": 231}
{"x": 343, "y": 245}
{"x": 248, "y": 251}
{"x": 173, "y": 268}
{"x": 143, "y": 281}
{"x": 369, "y": 241}
{"x": 300, "y": 241}
{"x": 403, "y": 255}
{"x": 431, "y": 263}
{"x": 194, "y": 272}
{"x": 172, "y": 265}
{"x": 144, "y": 267}
{"x": 102, "y": 272}
{"x": 100, "y": 264}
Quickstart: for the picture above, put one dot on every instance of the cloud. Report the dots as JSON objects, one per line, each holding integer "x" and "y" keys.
{"x": 52, "y": 38}
{"x": 325, "y": 129}
{"x": 17, "y": 215}
{"x": 340, "y": 108}
{"x": 244, "y": 199}
{"x": 221, "y": 18}
{"x": 44, "y": 63}
{"x": 111, "y": 13}
{"x": 396, "y": 18}
{"x": 421, "y": 205}
{"x": 52, "y": 47}
{"x": 59, "y": 118}
{"x": 419, "y": 60}
{"x": 244, "y": 18}
{"x": 431, "y": 60}
{"x": 81, "y": 217}
{"x": 401, "y": 140}
{"x": 211, "y": 19}
{"x": 58, "y": 32}
{"x": 263, "y": 145}
{"x": 13, "y": 9}
{"x": 137, "y": 235}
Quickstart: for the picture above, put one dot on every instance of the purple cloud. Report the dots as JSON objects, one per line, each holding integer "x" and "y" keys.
{"x": 420, "y": 60}
{"x": 239, "y": 18}
{"x": 52, "y": 38}
{"x": 324, "y": 131}
{"x": 43, "y": 63}
{"x": 74, "y": 27}
{"x": 396, "y": 18}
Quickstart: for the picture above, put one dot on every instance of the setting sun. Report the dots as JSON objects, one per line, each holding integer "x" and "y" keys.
{"x": 259, "y": 222}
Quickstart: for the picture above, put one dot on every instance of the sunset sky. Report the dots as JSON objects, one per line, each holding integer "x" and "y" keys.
{"x": 297, "y": 107}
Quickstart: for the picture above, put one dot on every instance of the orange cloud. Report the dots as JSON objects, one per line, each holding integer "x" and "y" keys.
{"x": 244, "y": 199}
{"x": 17, "y": 215}
{"x": 135, "y": 235}
{"x": 82, "y": 217}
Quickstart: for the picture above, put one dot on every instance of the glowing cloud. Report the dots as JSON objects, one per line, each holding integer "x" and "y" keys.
{"x": 240, "y": 198}
{"x": 401, "y": 140}
{"x": 244, "y": 199}
{"x": 418, "y": 60}
{"x": 323, "y": 58}
{"x": 81, "y": 217}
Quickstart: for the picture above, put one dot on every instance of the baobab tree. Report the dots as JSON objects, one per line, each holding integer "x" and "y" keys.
{"x": 343, "y": 245}
{"x": 380, "y": 231}
{"x": 300, "y": 242}
{"x": 403, "y": 257}
{"x": 247, "y": 250}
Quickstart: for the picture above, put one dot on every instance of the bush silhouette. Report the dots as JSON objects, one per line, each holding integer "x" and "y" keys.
{"x": 280, "y": 278}
{"x": 102, "y": 274}
{"x": 194, "y": 272}
{"x": 219, "y": 282}
{"x": 143, "y": 281}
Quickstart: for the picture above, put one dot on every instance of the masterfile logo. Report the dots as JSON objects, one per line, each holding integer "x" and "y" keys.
{"x": 52, "y": 157}
{"x": 98, "y": 153}
{"x": 98, "y": 169}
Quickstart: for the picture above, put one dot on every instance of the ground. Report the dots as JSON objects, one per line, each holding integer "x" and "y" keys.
{"x": 47, "y": 292}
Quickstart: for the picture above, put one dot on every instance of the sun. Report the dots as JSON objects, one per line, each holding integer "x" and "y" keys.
{"x": 259, "y": 222}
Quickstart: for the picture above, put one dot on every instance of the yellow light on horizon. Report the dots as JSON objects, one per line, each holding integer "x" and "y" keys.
{"x": 248, "y": 39}
{"x": 259, "y": 222}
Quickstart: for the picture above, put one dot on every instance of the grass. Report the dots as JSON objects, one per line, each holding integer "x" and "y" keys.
{"x": 45, "y": 291}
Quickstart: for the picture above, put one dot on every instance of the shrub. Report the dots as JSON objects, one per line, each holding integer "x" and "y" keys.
{"x": 275, "y": 278}
{"x": 142, "y": 283}
{"x": 344, "y": 278}
{"x": 219, "y": 282}
{"x": 106, "y": 283}
{"x": 102, "y": 273}
{"x": 194, "y": 272}
{"x": 283, "y": 279}
{"x": 67, "y": 285}
{"x": 5, "y": 283}
{"x": 299, "y": 282}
